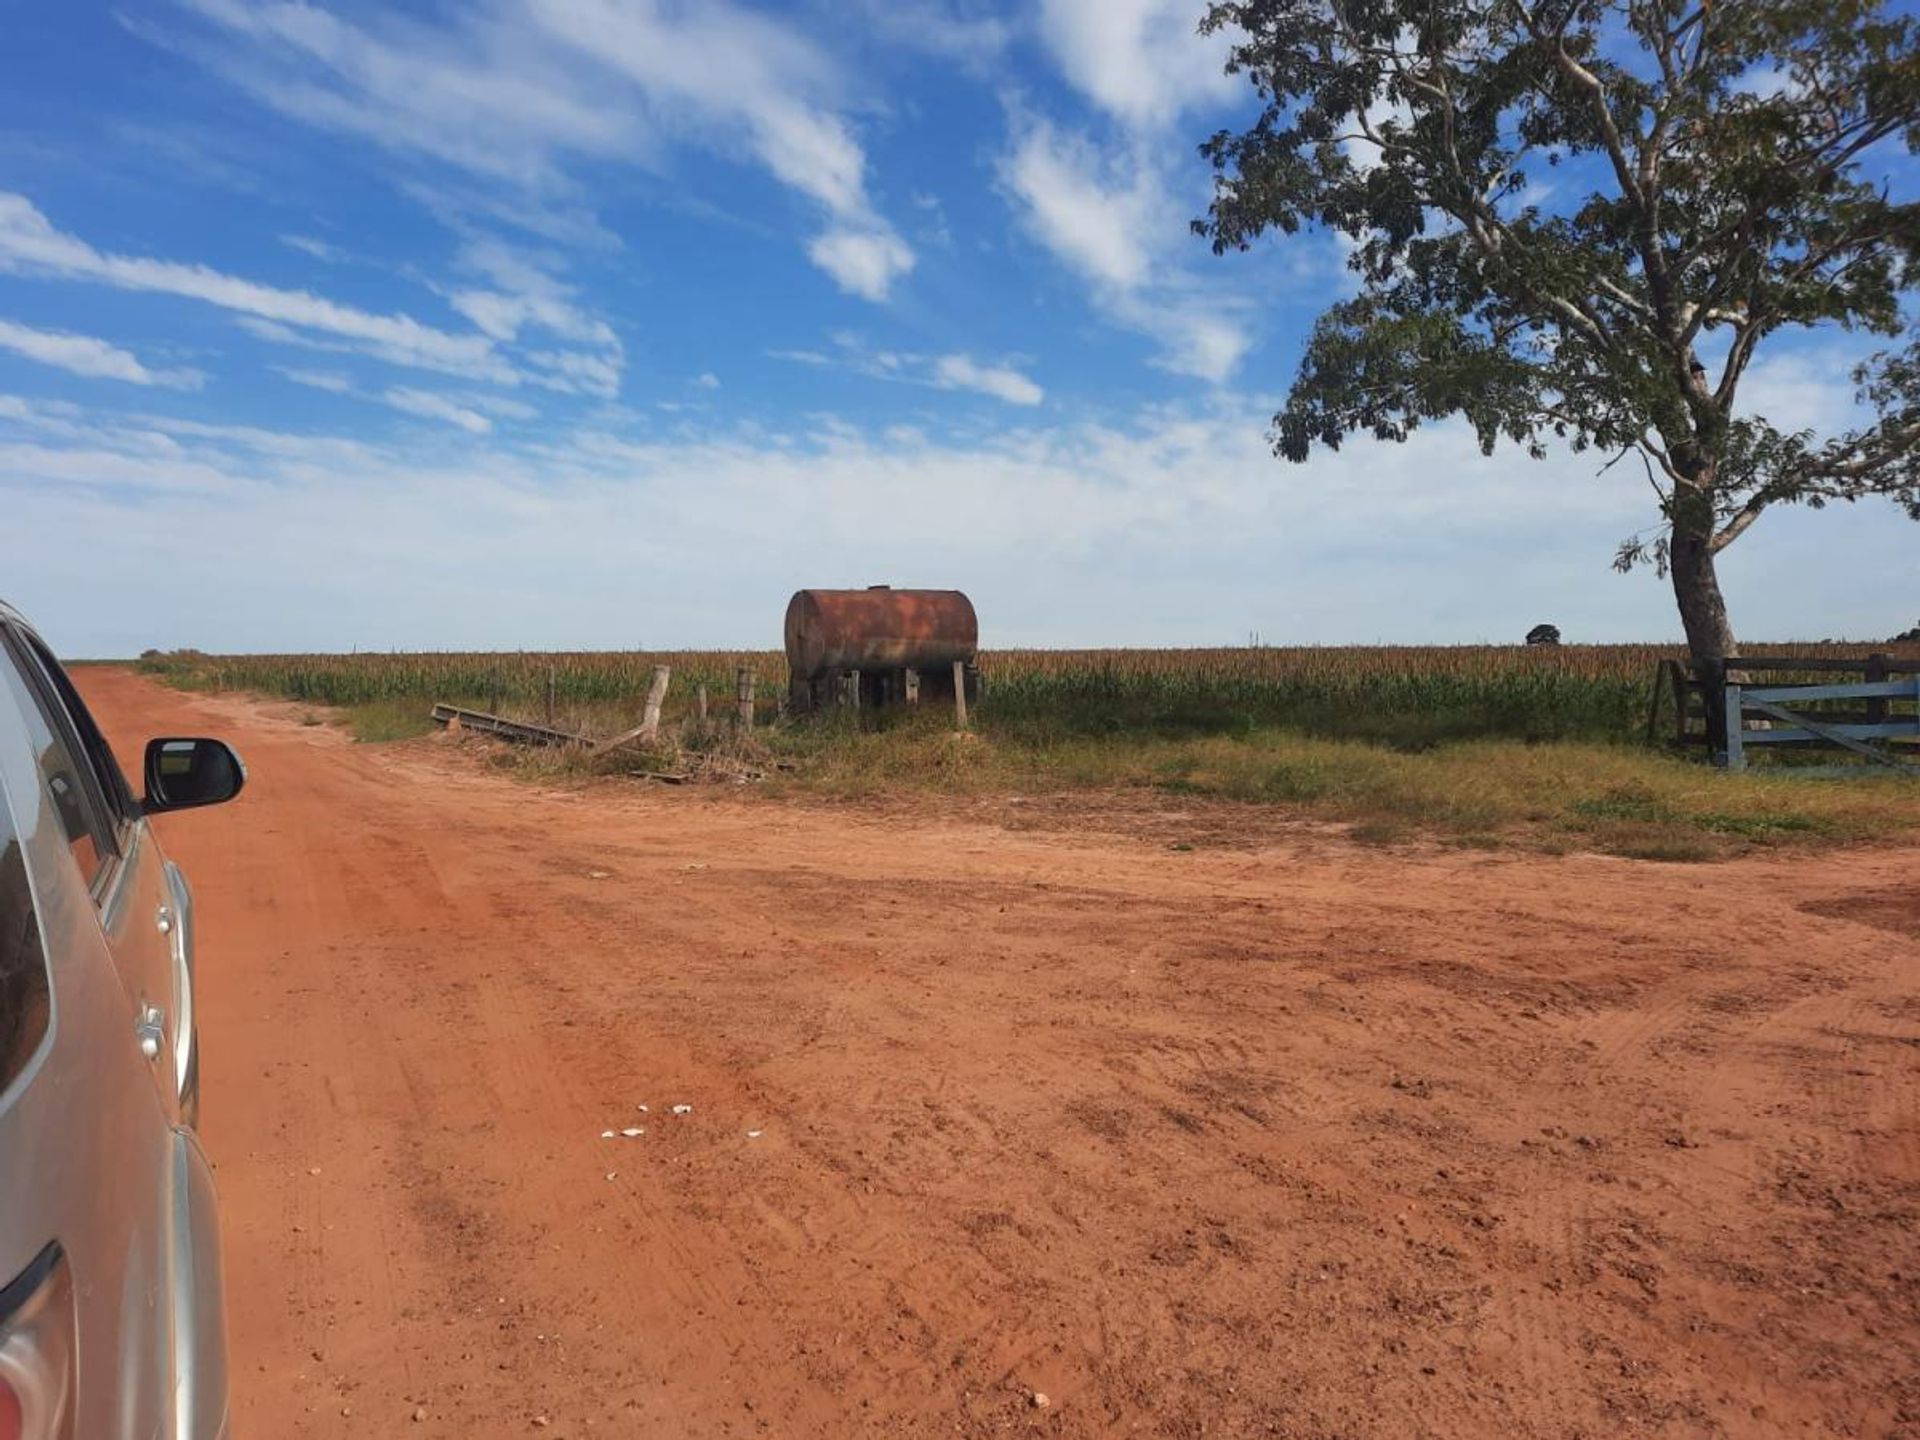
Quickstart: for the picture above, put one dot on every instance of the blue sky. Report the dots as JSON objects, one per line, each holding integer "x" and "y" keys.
{"x": 609, "y": 323}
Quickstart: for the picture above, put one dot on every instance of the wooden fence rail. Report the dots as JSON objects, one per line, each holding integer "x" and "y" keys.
{"x": 1679, "y": 699}
{"x": 1785, "y": 719}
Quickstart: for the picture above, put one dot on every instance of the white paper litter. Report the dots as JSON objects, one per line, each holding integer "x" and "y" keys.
{"x": 631, "y": 1131}
{"x": 683, "y": 1109}
{"x": 606, "y": 1134}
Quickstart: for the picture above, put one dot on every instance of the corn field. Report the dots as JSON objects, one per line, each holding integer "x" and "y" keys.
{"x": 1395, "y": 694}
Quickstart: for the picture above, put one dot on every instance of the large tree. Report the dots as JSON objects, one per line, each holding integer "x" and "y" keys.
{"x": 1578, "y": 221}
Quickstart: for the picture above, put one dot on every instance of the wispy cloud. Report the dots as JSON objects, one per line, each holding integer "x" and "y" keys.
{"x": 437, "y": 407}
{"x": 524, "y": 294}
{"x": 938, "y": 372}
{"x": 519, "y": 94}
{"x": 332, "y": 381}
{"x": 318, "y": 249}
{"x": 469, "y": 410}
{"x": 962, "y": 372}
{"x": 92, "y": 358}
{"x": 1106, "y": 214}
{"x": 1143, "y": 61}
{"x": 469, "y": 98}
{"x": 29, "y": 242}
{"x": 1093, "y": 211}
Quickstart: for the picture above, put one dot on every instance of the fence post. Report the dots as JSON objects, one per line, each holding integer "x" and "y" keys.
{"x": 960, "y": 694}
{"x": 700, "y": 703}
{"x": 743, "y": 678}
{"x": 1877, "y": 672}
{"x": 656, "y": 694}
{"x": 551, "y": 687}
{"x": 1736, "y": 758}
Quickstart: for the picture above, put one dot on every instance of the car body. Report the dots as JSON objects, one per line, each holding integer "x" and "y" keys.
{"x": 112, "y": 1322}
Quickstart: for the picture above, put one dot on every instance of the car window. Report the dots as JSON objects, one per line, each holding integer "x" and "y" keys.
{"x": 106, "y": 769}
{"x": 69, "y": 781}
{"x": 23, "y": 961}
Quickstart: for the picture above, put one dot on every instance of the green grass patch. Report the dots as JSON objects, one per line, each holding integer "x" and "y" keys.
{"x": 374, "y": 721}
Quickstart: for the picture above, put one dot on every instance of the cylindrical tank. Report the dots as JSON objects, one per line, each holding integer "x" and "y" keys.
{"x": 879, "y": 629}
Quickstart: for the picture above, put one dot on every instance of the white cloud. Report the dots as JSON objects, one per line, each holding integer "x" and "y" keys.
{"x": 707, "y": 381}
{"x": 467, "y": 409}
{"x": 1081, "y": 207}
{"x": 1171, "y": 526}
{"x": 475, "y": 99}
{"x": 437, "y": 407}
{"x": 1142, "y": 61}
{"x": 864, "y": 263}
{"x": 942, "y": 372}
{"x": 525, "y": 294}
{"x": 318, "y": 249}
{"x": 1199, "y": 336}
{"x": 331, "y": 381}
{"x": 95, "y": 359}
{"x": 93, "y": 467}
{"x": 960, "y": 372}
{"x": 1107, "y": 216}
{"x": 29, "y": 242}
{"x": 728, "y": 72}
{"x": 973, "y": 41}
{"x": 518, "y": 93}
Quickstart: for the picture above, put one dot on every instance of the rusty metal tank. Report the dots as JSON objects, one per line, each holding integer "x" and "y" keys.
{"x": 879, "y": 628}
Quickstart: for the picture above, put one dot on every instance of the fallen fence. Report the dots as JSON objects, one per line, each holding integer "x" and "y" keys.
{"x": 519, "y": 731}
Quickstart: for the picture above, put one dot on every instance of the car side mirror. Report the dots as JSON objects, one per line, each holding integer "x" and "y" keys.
{"x": 183, "y": 774}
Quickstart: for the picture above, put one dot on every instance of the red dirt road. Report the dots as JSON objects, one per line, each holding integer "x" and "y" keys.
{"x": 1300, "y": 1139}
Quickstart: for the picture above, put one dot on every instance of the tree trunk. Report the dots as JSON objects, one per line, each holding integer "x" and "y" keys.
{"x": 1703, "y": 615}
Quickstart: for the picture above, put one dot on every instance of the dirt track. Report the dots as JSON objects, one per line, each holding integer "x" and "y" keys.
{"x": 1303, "y": 1140}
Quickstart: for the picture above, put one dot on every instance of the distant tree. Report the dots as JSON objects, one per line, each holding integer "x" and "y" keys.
{"x": 1715, "y": 175}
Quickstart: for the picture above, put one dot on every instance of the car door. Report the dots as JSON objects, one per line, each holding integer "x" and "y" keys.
{"x": 127, "y": 873}
{"x": 88, "y": 1161}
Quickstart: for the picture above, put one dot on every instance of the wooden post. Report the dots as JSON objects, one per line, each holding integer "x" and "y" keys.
{"x": 700, "y": 704}
{"x": 1876, "y": 673}
{"x": 960, "y": 694}
{"x": 656, "y": 694}
{"x": 912, "y": 696}
{"x": 1736, "y": 757}
{"x": 743, "y": 679}
{"x": 551, "y": 687}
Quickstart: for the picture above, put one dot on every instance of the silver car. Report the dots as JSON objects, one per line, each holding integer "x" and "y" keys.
{"x": 112, "y": 1323}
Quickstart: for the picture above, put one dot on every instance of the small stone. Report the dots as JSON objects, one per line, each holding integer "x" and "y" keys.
{"x": 1039, "y": 1401}
{"x": 540, "y": 1422}
{"x": 419, "y": 1414}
